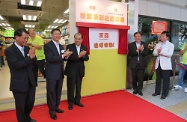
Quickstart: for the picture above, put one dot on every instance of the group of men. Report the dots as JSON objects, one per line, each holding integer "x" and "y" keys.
{"x": 23, "y": 64}
{"x": 163, "y": 51}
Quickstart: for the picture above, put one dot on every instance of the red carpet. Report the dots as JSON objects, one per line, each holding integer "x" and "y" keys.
{"x": 119, "y": 106}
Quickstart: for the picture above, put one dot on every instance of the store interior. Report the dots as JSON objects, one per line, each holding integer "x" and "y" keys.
{"x": 43, "y": 16}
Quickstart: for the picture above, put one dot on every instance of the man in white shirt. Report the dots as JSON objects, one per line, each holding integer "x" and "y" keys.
{"x": 163, "y": 66}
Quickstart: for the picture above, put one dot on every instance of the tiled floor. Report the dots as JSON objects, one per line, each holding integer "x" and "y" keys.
{"x": 176, "y": 102}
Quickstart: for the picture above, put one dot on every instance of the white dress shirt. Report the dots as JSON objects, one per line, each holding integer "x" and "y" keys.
{"x": 78, "y": 49}
{"x": 137, "y": 45}
{"x": 20, "y": 48}
{"x": 58, "y": 48}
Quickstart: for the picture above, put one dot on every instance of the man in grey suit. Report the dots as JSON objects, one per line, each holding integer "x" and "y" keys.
{"x": 55, "y": 56}
{"x": 21, "y": 60}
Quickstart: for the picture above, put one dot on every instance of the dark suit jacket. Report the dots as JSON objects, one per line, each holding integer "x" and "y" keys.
{"x": 54, "y": 61}
{"x": 74, "y": 64}
{"x": 134, "y": 55}
{"x": 20, "y": 69}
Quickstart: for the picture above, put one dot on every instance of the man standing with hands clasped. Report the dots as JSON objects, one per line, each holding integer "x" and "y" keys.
{"x": 163, "y": 66}
{"x": 137, "y": 52}
{"x": 55, "y": 55}
{"x": 21, "y": 60}
{"x": 75, "y": 70}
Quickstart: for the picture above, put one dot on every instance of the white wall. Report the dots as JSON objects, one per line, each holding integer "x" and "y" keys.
{"x": 163, "y": 10}
{"x": 72, "y": 20}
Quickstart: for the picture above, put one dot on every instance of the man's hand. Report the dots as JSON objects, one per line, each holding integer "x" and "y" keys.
{"x": 32, "y": 52}
{"x": 159, "y": 50}
{"x": 141, "y": 47}
{"x": 82, "y": 53}
{"x": 67, "y": 53}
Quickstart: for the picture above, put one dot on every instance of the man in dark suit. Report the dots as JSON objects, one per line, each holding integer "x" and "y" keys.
{"x": 137, "y": 51}
{"x": 55, "y": 55}
{"x": 75, "y": 70}
{"x": 21, "y": 60}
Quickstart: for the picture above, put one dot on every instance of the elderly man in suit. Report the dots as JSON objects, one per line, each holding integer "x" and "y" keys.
{"x": 21, "y": 60}
{"x": 137, "y": 52}
{"x": 75, "y": 70}
{"x": 163, "y": 51}
{"x": 55, "y": 56}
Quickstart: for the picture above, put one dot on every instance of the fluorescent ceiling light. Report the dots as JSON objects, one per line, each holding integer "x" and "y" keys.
{"x": 1, "y": 17}
{"x": 3, "y": 24}
{"x": 24, "y": 17}
{"x": 60, "y": 21}
{"x": 23, "y": 2}
{"x": 29, "y": 26}
{"x": 67, "y": 11}
{"x": 39, "y": 3}
{"x": 0, "y": 24}
{"x": 49, "y": 26}
{"x": 35, "y": 17}
{"x": 7, "y": 24}
{"x": 56, "y": 21}
{"x": 29, "y": 17}
{"x": 31, "y": 2}
{"x": 64, "y": 21}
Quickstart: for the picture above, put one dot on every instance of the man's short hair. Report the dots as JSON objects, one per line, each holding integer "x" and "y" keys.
{"x": 78, "y": 34}
{"x": 137, "y": 33}
{"x": 166, "y": 33}
{"x": 19, "y": 32}
{"x": 56, "y": 29}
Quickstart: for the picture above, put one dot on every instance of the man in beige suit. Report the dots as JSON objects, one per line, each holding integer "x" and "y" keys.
{"x": 163, "y": 51}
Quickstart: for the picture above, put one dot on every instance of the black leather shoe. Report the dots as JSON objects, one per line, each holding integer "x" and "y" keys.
{"x": 32, "y": 120}
{"x": 79, "y": 104}
{"x": 53, "y": 116}
{"x": 135, "y": 92}
{"x": 70, "y": 107}
{"x": 59, "y": 110}
{"x": 140, "y": 93}
{"x": 163, "y": 97}
{"x": 155, "y": 94}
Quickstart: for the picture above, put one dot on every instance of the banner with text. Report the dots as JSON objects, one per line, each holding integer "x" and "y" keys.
{"x": 101, "y": 11}
{"x": 158, "y": 27}
{"x": 103, "y": 38}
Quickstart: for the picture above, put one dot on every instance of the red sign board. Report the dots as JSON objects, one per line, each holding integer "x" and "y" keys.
{"x": 158, "y": 27}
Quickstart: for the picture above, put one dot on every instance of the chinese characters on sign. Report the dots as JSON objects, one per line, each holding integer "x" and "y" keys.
{"x": 90, "y": 16}
{"x": 158, "y": 27}
{"x": 103, "y": 36}
{"x": 114, "y": 13}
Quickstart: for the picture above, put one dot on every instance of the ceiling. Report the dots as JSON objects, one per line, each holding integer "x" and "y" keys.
{"x": 50, "y": 11}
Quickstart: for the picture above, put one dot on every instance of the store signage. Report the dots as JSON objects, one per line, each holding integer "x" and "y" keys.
{"x": 103, "y": 38}
{"x": 158, "y": 27}
{"x": 101, "y": 11}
